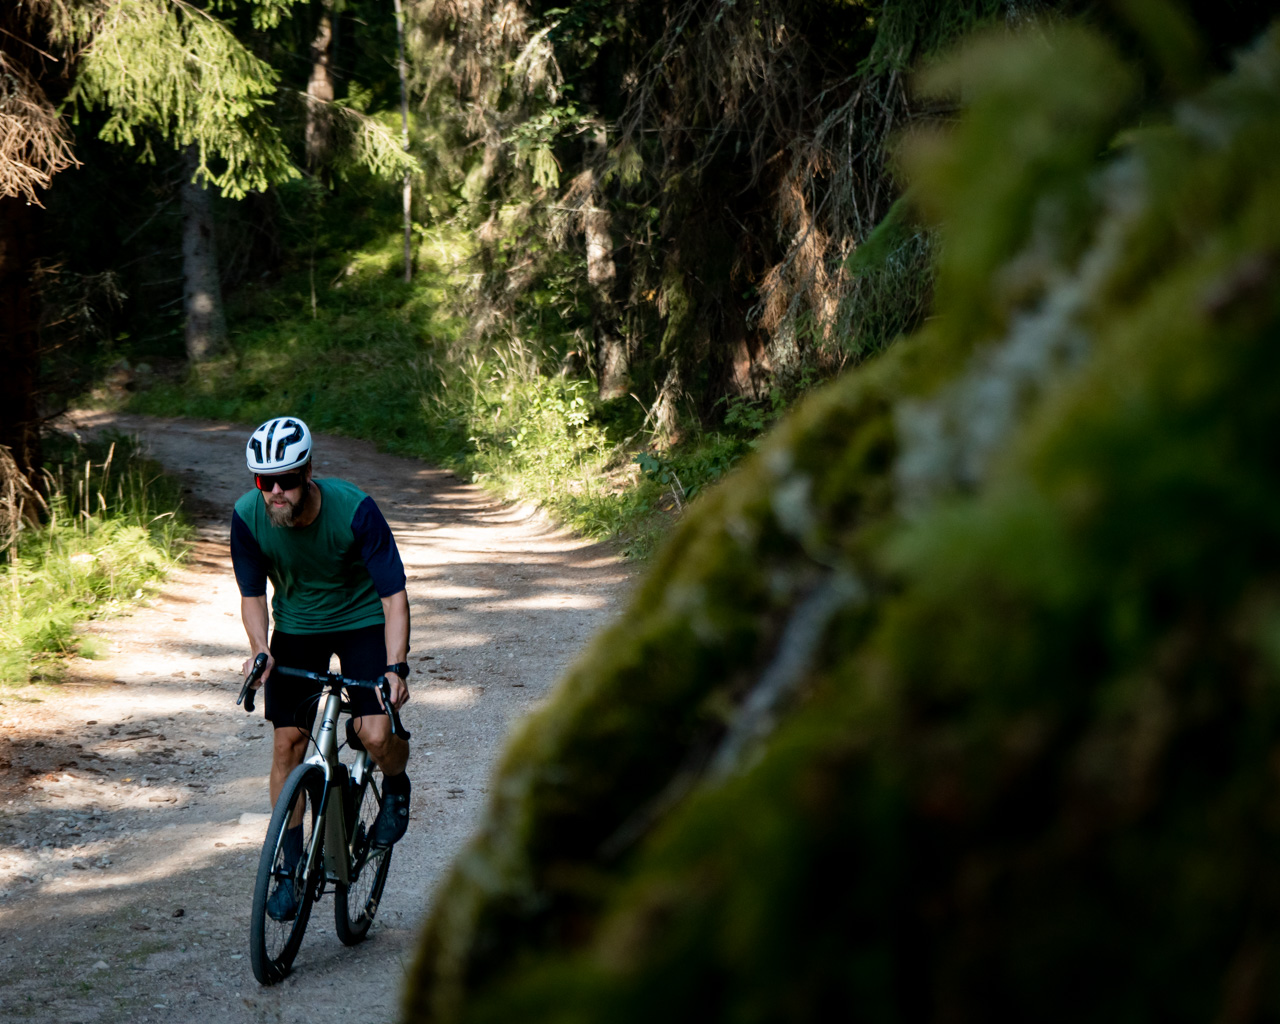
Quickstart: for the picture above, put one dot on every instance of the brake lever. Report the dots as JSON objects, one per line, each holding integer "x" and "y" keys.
{"x": 397, "y": 727}
{"x": 247, "y": 691}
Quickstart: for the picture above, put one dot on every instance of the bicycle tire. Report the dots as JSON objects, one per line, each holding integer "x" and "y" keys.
{"x": 274, "y": 944}
{"x": 356, "y": 902}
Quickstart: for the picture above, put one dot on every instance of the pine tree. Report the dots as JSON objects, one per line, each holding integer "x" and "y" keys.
{"x": 159, "y": 68}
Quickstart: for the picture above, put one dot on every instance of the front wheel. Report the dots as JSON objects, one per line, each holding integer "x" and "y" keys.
{"x": 289, "y": 872}
{"x": 356, "y": 902}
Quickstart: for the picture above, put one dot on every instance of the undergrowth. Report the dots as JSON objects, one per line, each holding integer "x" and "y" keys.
{"x": 111, "y": 529}
{"x": 367, "y": 355}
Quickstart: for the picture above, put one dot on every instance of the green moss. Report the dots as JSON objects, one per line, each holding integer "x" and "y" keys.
{"x": 1026, "y": 767}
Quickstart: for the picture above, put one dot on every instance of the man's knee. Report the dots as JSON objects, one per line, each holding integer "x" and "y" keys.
{"x": 387, "y": 750}
{"x": 374, "y": 732}
{"x": 290, "y": 744}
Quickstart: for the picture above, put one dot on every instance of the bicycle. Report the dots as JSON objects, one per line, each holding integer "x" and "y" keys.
{"x": 336, "y": 805}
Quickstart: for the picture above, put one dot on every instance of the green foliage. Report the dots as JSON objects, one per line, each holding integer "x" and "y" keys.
{"x": 264, "y": 14}
{"x": 531, "y": 437}
{"x": 961, "y": 698}
{"x": 688, "y": 469}
{"x": 532, "y": 140}
{"x": 112, "y": 531}
{"x": 380, "y": 359}
{"x": 755, "y": 417}
{"x": 355, "y": 363}
{"x": 175, "y": 69}
{"x": 907, "y": 30}
{"x": 397, "y": 364}
{"x": 371, "y": 144}
{"x": 734, "y": 155}
{"x": 686, "y": 473}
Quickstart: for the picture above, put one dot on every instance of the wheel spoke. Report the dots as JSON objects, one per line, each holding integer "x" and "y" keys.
{"x": 357, "y": 901}
{"x": 284, "y": 891}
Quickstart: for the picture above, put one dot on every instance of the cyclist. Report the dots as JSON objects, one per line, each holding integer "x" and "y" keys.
{"x": 339, "y": 589}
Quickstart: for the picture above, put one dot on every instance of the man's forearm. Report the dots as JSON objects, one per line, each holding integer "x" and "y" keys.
{"x": 253, "y": 613}
{"x": 396, "y": 610}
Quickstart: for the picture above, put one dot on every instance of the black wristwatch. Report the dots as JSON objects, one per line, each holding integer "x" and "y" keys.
{"x": 400, "y": 668}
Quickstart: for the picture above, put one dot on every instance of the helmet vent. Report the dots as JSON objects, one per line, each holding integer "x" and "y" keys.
{"x": 294, "y": 435}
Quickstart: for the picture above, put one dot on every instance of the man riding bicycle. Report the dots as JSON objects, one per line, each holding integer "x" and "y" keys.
{"x": 339, "y": 589}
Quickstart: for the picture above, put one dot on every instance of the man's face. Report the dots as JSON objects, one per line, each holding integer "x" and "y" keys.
{"x": 284, "y": 504}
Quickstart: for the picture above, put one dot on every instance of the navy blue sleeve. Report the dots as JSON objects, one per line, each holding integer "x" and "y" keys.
{"x": 246, "y": 558}
{"x": 378, "y": 548}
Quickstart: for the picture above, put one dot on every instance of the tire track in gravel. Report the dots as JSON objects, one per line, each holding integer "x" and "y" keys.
{"x": 133, "y": 798}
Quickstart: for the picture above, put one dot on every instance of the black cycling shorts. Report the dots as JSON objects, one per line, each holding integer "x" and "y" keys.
{"x": 362, "y": 654}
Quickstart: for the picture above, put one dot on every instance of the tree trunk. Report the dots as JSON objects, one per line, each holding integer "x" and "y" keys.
{"x": 407, "y": 192}
{"x": 202, "y": 287}
{"x": 745, "y": 369}
{"x": 665, "y": 414}
{"x": 602, "y": 275}
{"x": 320, "y": 93}
{"x": 19, "y": 337}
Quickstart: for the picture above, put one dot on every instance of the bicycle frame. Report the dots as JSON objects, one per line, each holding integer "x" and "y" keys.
{"x": 336, "y": 845}
{"x": 337, "y": 840}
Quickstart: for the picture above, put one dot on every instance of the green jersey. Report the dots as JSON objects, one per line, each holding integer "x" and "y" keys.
{"x": 328, "y": 575}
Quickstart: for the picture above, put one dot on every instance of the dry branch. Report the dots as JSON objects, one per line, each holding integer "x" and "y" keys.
{"x": 34, "y": 142}
{"x": 20, "y": 503}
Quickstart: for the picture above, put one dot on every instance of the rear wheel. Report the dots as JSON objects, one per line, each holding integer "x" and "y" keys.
{"x": 285, "y": 889}
{"x": 356, "y": 902}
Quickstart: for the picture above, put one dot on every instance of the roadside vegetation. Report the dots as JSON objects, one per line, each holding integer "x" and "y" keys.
{"x": 606, "y": 304}
{"x": 340, "y": 339}
{"x": 106, "y": 530}
{"x": 637, "y": 237}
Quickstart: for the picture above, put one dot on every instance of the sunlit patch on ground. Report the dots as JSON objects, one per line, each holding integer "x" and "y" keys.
{"x": 450, "y": 697}
{"x": 154, "y": 780}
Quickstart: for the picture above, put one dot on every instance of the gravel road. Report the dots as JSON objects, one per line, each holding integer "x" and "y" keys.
{"x": 133, "y": 798}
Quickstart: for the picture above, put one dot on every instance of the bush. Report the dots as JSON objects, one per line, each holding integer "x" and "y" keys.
{"x": 111, "y": 530}
{"x": 394, "y": 363}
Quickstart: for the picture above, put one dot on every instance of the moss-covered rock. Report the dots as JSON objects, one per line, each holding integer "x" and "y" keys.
{"x": 962, "y": 698}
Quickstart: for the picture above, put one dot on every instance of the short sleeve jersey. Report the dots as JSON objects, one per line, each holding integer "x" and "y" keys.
{"x": 328, "y": 575}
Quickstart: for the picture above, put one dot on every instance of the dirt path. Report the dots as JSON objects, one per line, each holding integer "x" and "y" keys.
{"x": 133, "y": 799}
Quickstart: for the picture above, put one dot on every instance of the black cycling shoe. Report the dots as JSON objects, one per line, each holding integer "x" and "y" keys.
{"x": 283, "y": 904}
{"x": 392, "y": 821}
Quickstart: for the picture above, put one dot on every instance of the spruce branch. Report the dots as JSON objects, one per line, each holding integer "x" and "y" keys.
{"x": 34, "y": 143}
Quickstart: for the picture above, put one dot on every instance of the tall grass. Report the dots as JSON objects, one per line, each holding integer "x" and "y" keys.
{"x": 534, "y": 435}
{"x": 112, "y": 529}
{"x": 399, "y": 364}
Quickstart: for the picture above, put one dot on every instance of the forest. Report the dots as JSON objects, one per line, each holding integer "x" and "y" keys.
{"x": 920, "y": 352}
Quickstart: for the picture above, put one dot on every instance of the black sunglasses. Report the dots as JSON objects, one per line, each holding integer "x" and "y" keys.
{"x": 287, "y": 481}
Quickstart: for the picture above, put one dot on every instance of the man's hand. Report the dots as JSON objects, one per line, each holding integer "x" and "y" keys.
{"x": 248, "y": 666}
{"x": 399, "y": 691}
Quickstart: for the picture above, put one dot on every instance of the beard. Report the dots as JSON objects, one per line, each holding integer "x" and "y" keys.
{"x": 287, "y": 514}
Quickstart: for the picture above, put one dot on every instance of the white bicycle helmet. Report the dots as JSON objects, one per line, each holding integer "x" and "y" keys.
{"x": 278, "y": 445}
